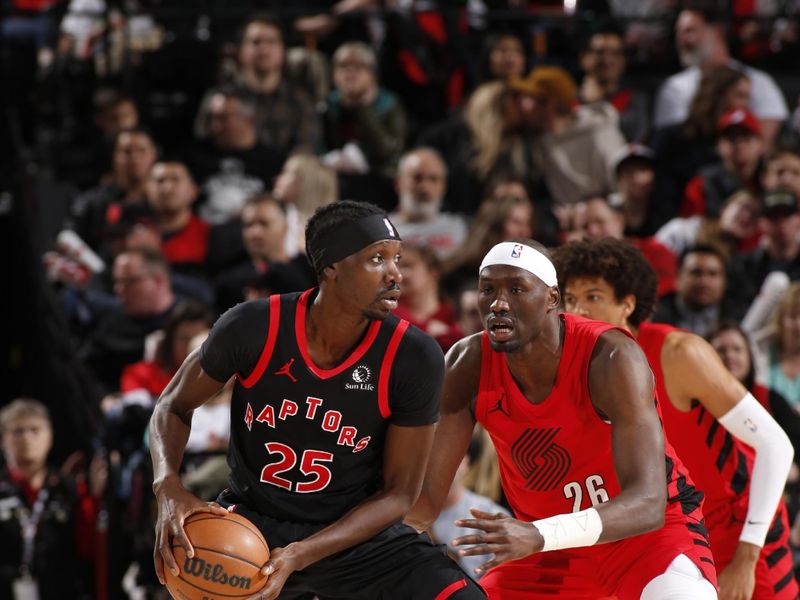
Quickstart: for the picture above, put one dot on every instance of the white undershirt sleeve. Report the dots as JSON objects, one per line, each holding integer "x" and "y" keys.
{"x": 749, "y": 422}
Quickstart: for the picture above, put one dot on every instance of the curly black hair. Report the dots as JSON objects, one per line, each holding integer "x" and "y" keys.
{"x": 332, "y": 216}
{"x": 617, "y": 262}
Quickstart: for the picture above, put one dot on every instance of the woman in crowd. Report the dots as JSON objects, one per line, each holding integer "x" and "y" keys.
{"x": 303, "y": 185}
{"x": 505, "y": 214}
{"x": 685, "y": 148}
{"x": 736, "y": 229}
{"x": 421, "y": 302}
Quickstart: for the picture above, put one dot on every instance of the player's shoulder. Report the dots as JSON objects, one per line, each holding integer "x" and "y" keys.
{"x": 465, "y": 354}
{"x": 684, "y": 347}
{"x": 616, "y": 353}
{"x": 251, "y": 310}
{"x": 418, "y": 345}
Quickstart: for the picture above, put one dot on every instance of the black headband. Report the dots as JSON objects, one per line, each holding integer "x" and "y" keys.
{"x": 350, "y": 238}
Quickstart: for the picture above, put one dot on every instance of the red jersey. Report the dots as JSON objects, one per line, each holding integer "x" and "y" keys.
{"x": 719, "y": 463}
{"x": 720, "y": 466}
{"x": 556, "y": 457}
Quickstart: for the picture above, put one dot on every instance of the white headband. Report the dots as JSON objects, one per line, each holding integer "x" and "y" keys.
{"x": 524, "y": 257}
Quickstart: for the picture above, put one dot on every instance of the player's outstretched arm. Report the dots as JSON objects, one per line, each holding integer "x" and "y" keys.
{"x": 169, "y": 432}
{"x": 621, "y": 387}
{"x": 694, "y": 371}
{"x": 453, "y": 433}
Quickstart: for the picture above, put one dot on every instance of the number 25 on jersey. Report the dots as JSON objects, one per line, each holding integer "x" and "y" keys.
{"x": 312, "y": 463}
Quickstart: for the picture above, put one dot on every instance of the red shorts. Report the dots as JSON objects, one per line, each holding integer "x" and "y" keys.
{"x": 774, "y": 569}
{"x": 620, "y": 569}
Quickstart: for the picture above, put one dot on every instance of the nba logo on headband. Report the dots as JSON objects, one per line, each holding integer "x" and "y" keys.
{"x": 510, "y": 253}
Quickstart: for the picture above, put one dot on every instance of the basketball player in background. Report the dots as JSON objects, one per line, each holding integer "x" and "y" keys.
{"x": 569, "y": 406}
{"x": 333, "y": 414}
{"x": 742, "y": 466}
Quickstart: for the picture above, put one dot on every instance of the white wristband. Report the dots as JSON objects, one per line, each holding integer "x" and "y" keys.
{"x": 571, "y": 530}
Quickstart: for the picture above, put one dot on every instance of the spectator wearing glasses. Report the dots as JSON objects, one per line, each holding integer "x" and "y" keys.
{"x": 143, "y": 289}
{"x": 362, "y": 114}
{"x": 603, "y": 61}
{"x": 285, "y": 115}
{"x": 47, "y": 518}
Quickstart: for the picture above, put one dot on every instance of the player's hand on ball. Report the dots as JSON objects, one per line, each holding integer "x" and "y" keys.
{"x": 505, "y": 537}
{"x": 282, "y": 563}
{"x": 175, "y": 504}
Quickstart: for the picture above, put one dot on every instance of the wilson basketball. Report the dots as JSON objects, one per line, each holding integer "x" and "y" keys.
{"x": 229, "y": 551}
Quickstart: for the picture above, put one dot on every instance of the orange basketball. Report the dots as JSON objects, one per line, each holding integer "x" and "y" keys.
{"x": 229, "y": 551}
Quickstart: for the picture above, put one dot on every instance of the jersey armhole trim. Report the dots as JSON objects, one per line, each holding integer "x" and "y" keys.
{"x": 386, "y": 368}
{"x": 269, "y": 345}
{"x": 484, "y": 379}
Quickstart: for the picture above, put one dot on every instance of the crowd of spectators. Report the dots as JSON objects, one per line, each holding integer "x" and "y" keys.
{"x": 179, "y": 152}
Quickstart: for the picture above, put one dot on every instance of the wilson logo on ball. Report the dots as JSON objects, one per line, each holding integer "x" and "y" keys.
{"x": 197, "y": 567}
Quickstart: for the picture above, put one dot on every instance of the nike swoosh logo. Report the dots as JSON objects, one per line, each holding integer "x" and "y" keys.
{"x": 749, "y": 522}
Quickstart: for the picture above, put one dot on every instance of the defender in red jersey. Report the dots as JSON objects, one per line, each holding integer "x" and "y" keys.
{"x": 602, "y": 506}
{"x": 742, "y": 466}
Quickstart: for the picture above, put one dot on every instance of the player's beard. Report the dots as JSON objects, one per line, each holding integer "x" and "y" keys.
{"x": 376, "y": 311}
{"x": 510, "y": 346}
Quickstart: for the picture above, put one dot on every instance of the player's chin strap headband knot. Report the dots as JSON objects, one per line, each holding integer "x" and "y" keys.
{"x": 349, "y": 239}
{"x": 524, "y": 257}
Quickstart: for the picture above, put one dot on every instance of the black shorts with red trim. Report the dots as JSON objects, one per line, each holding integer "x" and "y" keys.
{"x": 396, "y": 564}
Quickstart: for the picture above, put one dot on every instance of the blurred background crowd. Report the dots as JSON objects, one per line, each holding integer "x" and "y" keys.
{"x": 159, "y": 160}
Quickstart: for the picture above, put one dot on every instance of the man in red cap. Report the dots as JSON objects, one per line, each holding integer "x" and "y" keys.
{"x": 740, "y": 145}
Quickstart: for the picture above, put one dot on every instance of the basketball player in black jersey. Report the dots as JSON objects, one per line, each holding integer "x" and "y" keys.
{"x": 332, "y": 421}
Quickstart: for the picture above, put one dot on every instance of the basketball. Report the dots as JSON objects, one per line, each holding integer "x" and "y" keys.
{"x": 229, "y": 551}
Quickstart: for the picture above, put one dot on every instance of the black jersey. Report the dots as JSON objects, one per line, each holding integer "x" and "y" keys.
{"x": 307, "y": 443}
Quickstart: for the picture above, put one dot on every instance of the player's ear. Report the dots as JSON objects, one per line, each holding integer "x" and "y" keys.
{"x": 628, "y": 304}
{"x": 554, "y": 302}
{"x": 329, "y": 272}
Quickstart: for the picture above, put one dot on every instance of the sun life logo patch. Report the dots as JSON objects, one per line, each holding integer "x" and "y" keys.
{"x": 361, "y": 377}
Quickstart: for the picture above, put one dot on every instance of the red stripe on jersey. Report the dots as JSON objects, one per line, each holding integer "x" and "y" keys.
{"x": 269, "y": 345}
{"x": 386, "y": 368}
{"x": 451, "y": 589}
{"x": 302, "y": 343}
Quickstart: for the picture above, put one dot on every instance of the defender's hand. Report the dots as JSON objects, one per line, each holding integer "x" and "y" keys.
{"x": 505, "y": 537}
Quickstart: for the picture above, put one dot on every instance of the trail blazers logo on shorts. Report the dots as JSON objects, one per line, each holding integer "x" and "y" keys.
{"x": 541, "y": 461}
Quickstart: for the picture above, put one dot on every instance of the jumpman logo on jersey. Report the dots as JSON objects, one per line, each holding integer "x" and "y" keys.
{"x": 286, "y": 370}
{"x": 501, "y": 405}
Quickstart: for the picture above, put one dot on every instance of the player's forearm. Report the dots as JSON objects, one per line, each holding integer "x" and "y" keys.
{"x": 751, "y": 423}
{"x": 168, "y": 436}
{"x": 631, "y": 512}
{"x": 360, "y": 524}
{"x": 426, "y": 509}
